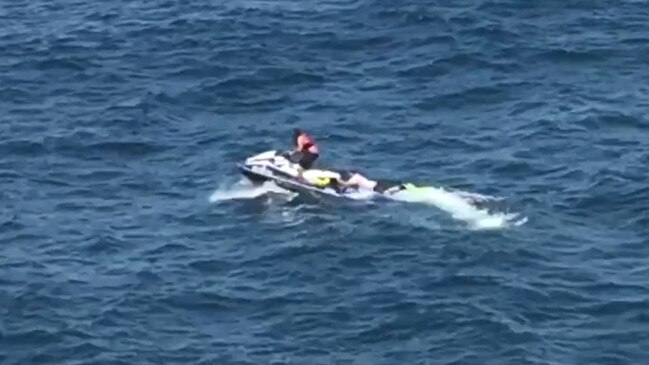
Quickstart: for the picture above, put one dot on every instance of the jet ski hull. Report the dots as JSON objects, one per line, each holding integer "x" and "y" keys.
{"x": 254, "y": 177}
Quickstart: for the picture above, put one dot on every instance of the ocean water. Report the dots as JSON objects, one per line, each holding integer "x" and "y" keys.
{"x": 127, "y": 235}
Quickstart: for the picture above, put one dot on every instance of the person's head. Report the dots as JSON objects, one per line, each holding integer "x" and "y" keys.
{"x": 346, "y": 175}
{"x": 296, "y": 133}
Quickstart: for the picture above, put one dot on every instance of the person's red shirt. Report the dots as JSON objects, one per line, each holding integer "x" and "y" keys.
{"x": 306, "y": 143}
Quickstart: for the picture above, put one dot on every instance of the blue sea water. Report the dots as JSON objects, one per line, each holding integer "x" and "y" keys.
{"x": 127, "y": 237}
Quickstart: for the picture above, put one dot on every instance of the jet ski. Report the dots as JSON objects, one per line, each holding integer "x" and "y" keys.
{"x": 278, "y": 167}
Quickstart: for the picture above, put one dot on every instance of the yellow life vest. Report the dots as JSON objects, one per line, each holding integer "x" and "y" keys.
{"x": 319, "y": 178}
{"x": 322, "y": 181}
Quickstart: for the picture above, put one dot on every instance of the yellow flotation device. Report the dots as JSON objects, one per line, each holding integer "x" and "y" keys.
{"x": 321, "y": 181}
{"x": 319, "y": 178}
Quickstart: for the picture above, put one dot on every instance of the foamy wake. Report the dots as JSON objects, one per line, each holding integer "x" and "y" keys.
{"x": 245, "y": 190}
{"x": 461, "y": 206}
{"x": 465, "y": 206}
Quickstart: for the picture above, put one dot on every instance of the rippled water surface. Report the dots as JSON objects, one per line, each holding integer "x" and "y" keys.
{"x": 128, "y": 237}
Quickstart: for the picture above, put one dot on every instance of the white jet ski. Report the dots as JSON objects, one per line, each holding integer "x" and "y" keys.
{"x": 277, "y": 167}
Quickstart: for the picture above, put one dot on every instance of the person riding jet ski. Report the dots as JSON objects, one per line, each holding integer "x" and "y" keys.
{"x": 306, "y": 150}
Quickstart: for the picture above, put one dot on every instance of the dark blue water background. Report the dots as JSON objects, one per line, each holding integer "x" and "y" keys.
{"x": 125, "y": 237}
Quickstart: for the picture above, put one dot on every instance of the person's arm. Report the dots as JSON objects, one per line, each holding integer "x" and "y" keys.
{"x": 349, "y": 183}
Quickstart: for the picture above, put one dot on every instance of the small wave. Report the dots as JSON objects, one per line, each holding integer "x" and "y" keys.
{"x": 245, "y": 190}
{"x": 464, "y": 206}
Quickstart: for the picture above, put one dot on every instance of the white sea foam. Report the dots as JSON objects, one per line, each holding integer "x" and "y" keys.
{"x": 461, "y": 206}
{"x": 245, "y": 190}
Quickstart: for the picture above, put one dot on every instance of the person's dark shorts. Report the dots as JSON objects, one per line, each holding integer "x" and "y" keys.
{"x": 307, "y": 159}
